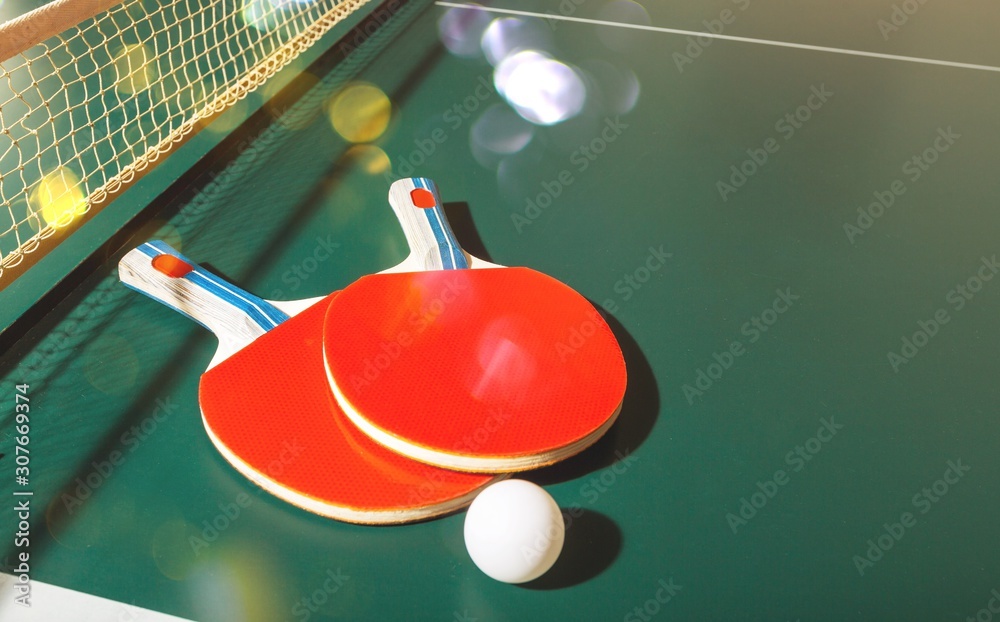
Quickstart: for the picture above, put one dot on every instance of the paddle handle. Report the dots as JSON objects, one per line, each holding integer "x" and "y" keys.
{"x": 420, "y": 212}
{"x": 237, "y": 317}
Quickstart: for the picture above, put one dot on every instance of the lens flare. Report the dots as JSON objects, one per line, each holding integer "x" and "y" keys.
{"x": 369, "y": 158}
{"x": 618, "y": 87}
{"x": 171, "y": 548}
{"x": 360, "y": 112}
{"x": 135, "y": 68}
{"x": 230, "y": 119}
{"x": 509, "y": 35}
{"x": 505, "y": 366}
{"x": 226, "y": 584}
{"x": 59, "y": 197}
{"x": 497, "y": 133}
{"x": 264, "y": 15}
{"x": 461, "y": 30}
{"x": 541, "y": 89}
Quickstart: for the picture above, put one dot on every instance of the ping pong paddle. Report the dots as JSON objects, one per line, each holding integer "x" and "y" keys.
{"x": 488, "y": 369}
{"x": 267, "y": 408}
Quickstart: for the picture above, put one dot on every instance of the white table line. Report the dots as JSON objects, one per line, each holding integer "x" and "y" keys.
{"x": 676, "y": 31}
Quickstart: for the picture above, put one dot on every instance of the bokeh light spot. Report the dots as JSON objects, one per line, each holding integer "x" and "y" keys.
{"x": 171, "y": 548}
{"x": 360, "y": 112}
{"x": 509, "y": 35}
{"x": 59, "y": 197}
{"x": 230, "y": 119}
{"x": 231, "y": 584}
{"x": 462, "y": 29}
{"x": 369, "y": 158}
{"x": 541, "y": 89}
{"x": 135, "y": 68}
{"x": 497, "y": 133}
{"x": 618, "y": 86}
{"x": 263, "y": 15}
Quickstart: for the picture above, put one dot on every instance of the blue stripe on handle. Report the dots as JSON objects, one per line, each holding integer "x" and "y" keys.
{"x": 451, "y": 254}
{"x": 261, "y": 312}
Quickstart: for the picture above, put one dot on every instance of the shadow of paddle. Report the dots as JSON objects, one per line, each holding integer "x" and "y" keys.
{"x": 593, "y": 542}
{"x": 638, "y": 415}
{"x": 460, "y": 218}
{"x": 640, "y": 407}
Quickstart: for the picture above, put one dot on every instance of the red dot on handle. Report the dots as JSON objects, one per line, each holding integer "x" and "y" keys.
{"x": 422, "y": 197}
{"x": 171, "y": 266}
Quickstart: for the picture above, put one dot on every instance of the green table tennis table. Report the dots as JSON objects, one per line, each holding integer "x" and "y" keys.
{"x": 788, "y": 213}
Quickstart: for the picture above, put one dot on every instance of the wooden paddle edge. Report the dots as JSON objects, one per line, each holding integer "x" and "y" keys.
{"x": 343, "y": 513}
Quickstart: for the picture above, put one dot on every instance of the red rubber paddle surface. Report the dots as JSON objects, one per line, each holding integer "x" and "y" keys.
{"x": 271, "y": 405}
{"x": 481, "y": 362}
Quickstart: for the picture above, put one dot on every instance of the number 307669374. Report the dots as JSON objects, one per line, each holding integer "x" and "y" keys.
{"x": 22, "y": 427}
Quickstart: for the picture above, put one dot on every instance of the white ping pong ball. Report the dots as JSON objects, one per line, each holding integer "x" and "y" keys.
{"x": 514, "y": 531}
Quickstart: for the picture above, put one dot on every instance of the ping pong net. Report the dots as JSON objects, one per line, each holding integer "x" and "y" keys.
{"x": 95, "y": 92}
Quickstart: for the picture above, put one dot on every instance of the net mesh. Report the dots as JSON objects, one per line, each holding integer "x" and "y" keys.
{"x": 85, "y": 112}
